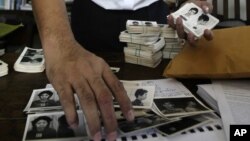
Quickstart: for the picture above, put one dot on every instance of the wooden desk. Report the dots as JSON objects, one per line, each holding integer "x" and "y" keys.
{"x": 16, "y": 89}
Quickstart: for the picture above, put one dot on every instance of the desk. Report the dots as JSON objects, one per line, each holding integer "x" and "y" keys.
{"x": 16, "y": 89}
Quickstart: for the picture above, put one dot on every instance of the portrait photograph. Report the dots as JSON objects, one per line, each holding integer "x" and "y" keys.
{"x": 180, "y": 106}
{"x": 53, "y": 126}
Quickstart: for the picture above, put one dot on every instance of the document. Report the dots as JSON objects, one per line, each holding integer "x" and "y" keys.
{"x": 234, "y": 102}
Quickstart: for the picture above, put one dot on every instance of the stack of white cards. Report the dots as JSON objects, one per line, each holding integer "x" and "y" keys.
{"x": 146, "y": 27}
{"x": 2, "y": 48}
{"x": 2, "y": 51}
{"x": 30, "y": 61}
{"x": 3, "y": 68}
{"x": 144, "y": 43}
{"x": 173, "y": 44}
{"x": 195, "y": 20}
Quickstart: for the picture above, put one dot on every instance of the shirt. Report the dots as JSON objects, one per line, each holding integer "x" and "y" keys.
{"x": 123, "y": 4}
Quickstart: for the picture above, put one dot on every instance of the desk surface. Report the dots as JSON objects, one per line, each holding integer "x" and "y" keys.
{"x": 16, "y": 89}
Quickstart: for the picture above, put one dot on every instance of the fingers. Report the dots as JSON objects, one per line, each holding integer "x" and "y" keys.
{"x": 180, "y": 28}
{"x": 207, "y": 7}
{"x": 208, "y": 34}
{"x": 119, "y": 93}
{"x": 89, "y": 107}
{"x": 105, "y": 103}
{"x": 171, "y": 21}
{"x": 68, "y": 103}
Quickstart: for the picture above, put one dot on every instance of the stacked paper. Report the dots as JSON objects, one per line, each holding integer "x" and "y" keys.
{"x": 3, "y": 68}
{"x": 173, "y": 44}
{"x": 144, "y": 43}
{"x": 30, "y": 61}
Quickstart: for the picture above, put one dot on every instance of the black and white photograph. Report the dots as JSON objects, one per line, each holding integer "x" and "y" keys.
{"x": 180, "y": 106}
{"x": 53, "y": 126}
{"x": 141, "y": 123}
{"x": 32, "y": 57}
{"x": 144, "y": 27}
{"x": 30, "y": 61}
{"x": 195, "y": 20}
{"x": 3, "y": 68}
{"x": 45, "y": 98}
{"x": 183, "y": 124}
{"x": 141, "y": 97}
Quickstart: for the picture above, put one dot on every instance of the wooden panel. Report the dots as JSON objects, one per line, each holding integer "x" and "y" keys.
{"x": 225, "y": 9}
{"x": 215, "y": 7}
{"x": 237, "y": 9}
{"x": 248, "y": 10}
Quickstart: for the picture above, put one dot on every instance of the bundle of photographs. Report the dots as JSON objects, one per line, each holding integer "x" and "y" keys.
{"x": 30, "y": 61}
{"x": 162, "y": 104}
{"x": 3, "y": 68}
{"x": 195, "y": 20}
{"x": 148, "y": 42}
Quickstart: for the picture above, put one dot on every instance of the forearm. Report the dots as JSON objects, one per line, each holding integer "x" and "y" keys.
{"x": 52, "y": 22}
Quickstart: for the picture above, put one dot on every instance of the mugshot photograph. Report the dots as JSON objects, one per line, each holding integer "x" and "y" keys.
{"x": 41, "y": 129}
{"x": 44, "y": 100}
{"x": 64, "y": 129}
{"x": 140, "y": 95}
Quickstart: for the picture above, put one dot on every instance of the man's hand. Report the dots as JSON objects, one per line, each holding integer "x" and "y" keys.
{"x": 72, "y": 69}
{"x": 207, "y": 8}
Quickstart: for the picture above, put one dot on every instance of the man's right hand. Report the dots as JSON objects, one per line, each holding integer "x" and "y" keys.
{"x": 72, "y": 69}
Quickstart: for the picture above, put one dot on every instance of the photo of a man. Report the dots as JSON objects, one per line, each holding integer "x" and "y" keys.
{"x": 140, "y": 95}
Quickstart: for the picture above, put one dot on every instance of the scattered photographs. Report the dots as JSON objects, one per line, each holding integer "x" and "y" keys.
{"x": 183, "y": 124}
{"x": 180, "y": 106}
{"x": 141, "y": 123}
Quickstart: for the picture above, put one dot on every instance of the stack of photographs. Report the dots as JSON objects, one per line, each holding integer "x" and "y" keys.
{"x": 144, "y": 43}
{"x": 145, "y": 27}
{"x": 3, "y": 68}
{"x": 46, "y": 119}
{"x": 195, "y": 20}
{"x": 30, "y": 61}
{"x": 173, "y": 44}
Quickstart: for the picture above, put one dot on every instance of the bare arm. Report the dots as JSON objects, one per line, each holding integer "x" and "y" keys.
{"x": 52, "y": 21}
{"x": 72, "y": 69}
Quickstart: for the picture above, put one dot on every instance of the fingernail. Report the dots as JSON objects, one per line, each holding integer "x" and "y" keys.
{"x": 130, "y": 115}
{"x": 206, "y": 9}
{"x": 178, "y": 21}
{"x": 97, "y": 136}
{"x": 112, "y": 136}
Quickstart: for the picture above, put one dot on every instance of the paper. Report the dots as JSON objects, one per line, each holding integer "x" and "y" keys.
{"x": 233, "y": 102}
